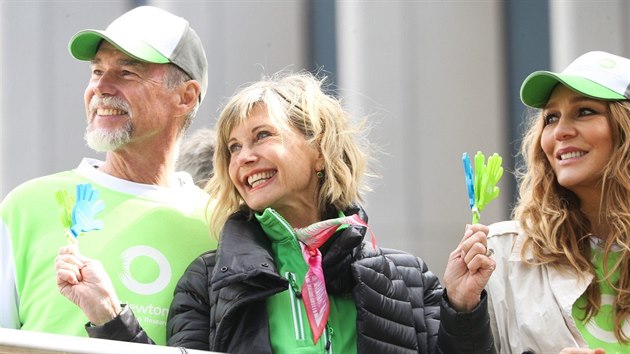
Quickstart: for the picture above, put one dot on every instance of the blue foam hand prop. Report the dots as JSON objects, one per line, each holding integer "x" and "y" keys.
{"x": 470, "y": 182}
{"x": 86, "y": 207}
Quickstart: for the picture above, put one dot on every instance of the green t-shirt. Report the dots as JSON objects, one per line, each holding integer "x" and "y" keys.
{"x": 599, "y": 330}
{"x": 288, "y": 323}
{"x": 150, "y": 235}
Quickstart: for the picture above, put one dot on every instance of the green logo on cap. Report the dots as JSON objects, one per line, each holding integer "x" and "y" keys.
{"x": 607, "y": 63}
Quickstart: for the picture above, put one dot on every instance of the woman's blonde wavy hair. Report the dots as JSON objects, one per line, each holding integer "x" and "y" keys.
{"x": 294, "y": 100}
{"x": 557, "y": 231}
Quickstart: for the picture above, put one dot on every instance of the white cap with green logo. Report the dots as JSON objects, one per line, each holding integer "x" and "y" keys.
{"x": 597, "y": 74}
{"x": 152, "y": 35}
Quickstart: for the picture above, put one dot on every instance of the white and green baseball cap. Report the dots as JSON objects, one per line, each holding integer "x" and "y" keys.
{"x": 598, "y": 75}
{"x": 152, "y": 35}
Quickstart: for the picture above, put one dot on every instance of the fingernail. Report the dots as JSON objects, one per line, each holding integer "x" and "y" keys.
{"x": 468, "y": 233}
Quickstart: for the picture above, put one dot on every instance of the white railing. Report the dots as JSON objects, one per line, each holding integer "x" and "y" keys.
{"x": 16, "y": 341}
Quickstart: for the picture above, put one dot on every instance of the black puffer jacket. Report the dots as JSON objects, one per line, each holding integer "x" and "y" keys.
{"x": 219, "y": 302}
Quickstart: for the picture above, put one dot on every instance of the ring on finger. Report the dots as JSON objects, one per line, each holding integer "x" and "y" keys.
{"x": 489, "y": 251}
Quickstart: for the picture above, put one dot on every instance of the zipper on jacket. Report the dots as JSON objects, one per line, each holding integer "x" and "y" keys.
{"x": 296, "y": 298}
{"x": 328, "y": 336}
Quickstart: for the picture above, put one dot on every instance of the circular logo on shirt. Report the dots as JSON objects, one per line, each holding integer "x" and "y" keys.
{"x": 150, "y": 257}
{"x": 606, "y": 310}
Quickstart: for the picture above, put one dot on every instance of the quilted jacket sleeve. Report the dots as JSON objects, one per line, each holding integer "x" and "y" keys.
{"x": 188, "y": 322}
{"x": 425, "y": 292}
{"x": 440, "y": 328}
{"x": 465, "y": 332}
{"x": 432, "y": 294}
{"x": 124, "y": 327}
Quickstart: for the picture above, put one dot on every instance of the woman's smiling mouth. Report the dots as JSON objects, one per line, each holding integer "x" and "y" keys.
{"x": 258, "y": 178}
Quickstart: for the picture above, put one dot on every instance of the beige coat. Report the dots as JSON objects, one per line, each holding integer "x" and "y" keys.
{"x": 530, "y": 306}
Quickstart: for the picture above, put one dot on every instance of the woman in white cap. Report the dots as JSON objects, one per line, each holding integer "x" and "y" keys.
{"x": 562, "y": 281}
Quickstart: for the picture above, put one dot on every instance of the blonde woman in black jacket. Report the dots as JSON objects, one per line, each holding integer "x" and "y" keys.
{"x": 293, "y": 272}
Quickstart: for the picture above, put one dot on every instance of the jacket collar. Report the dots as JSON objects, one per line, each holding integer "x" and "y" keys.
{"x": 244, "y": 253}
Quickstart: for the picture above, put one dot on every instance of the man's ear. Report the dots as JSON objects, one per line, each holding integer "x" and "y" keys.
{"x": 189, "y": 95}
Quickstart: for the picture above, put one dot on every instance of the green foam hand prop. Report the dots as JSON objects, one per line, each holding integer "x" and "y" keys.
{"x": 64, "y": 204}
{"x": 482, "y": 183}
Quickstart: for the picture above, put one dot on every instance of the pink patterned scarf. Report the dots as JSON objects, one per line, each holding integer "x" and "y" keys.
{"x": 314, "y": 288}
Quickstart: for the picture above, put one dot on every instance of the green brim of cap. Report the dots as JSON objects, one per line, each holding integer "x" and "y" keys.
{"x": 537, "y": 88}
{"x": 84, "y": 45}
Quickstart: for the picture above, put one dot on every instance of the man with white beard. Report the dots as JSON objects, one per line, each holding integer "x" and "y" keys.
{"x": 148, "y": 77}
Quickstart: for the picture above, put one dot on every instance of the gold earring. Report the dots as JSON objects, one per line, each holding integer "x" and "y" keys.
{"x": 319, "y": 174}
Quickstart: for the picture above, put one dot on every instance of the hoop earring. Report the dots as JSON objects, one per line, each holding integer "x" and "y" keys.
{"x": 319, "y": 174}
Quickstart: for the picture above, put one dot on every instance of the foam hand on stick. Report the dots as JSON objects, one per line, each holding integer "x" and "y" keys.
{"x": 481, "y": 185}
{"x": 81, "y": 217}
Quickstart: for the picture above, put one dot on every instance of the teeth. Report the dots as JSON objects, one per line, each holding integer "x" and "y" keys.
{"x": 109, "y": 112}
{"x": 259, "y": 178}
{"x": 570, "y": 155}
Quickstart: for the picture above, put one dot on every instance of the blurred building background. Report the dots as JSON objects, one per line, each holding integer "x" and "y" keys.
{"x": 435, "y": 78}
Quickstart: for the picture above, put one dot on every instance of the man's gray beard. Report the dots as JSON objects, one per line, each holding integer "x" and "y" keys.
{"x": 103, "y": 140}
